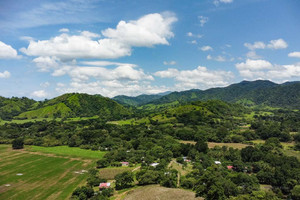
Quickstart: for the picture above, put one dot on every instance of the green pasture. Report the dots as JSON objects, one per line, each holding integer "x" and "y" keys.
{"x": 68, "y": 151}
{"x": 43, "y": 176}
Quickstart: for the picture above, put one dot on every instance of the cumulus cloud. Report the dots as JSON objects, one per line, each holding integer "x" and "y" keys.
{"x": 112, "y": 88}
{"x": 203, "y": 20}
{"x": 64, "y": 30}
{"x": 200, "y": 77}
{"x": 190, "y": 34}
{"x": 262, "y": 69}
{"x": 45, "y": 63}
{"x": 252, "y": 55}
{"x": 5, "y": 74}
{"x": 149, "y": 30}
{"x": 39, "y": 94}
{"x": 294, "y": 54}
{"x": 7, "y": 52}
{"x": 216, "y": 58}
{"x": 277, "y": 44}
{"x": 206, "y": 48}
{"x": 169, "y": 63}
{"x": 217, "y": 2}
{"x": 273, "y": 44}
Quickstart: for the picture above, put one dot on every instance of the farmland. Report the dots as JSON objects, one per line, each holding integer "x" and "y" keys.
{"x": 40, "y": 175}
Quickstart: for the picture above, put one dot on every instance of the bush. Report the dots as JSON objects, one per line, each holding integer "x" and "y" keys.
{"x": 18, "y": 143}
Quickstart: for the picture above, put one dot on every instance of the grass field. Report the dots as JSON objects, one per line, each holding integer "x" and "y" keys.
{"x": 110, "y": 173}
{"x": 68, "y": 151}
{"x": 44, "y": 176}
{"x": 154, "y": 192}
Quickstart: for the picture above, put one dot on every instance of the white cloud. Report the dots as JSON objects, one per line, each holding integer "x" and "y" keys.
{"x": 252, "y": 55}
{"x": 194, "y": 42}
{"x": 273, "y": 44}
{"x": 217, "y": 2}
{"x": 294, "y": 54}
{"x": 277, "y": 44}
{"x": 255, "y": 45}
{"x": 169, "y": 63}
{"x": 5, "y": 74}
{"x": 7, "y": 52}
{"x": 39, "y": 94}
{"x": 190, "y": 34}
{"x": 200, "y": 77}
{"x": 112, "y": 88}
{"x": 149, "y": 30}
{"x": 45, "y": 84}
{"x": 262, "y": 69}
{"x": 46, "y": 63}
{"x": 217, "y": 58}
{"x": 64, "y": 30}
{"x": 206, "y": 48}
{"x": 203, "y": 20}
{"x": 89, "y": 34}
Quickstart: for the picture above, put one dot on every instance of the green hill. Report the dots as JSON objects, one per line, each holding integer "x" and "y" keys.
{"x": 138, "y": 100}
{"x": 258, "y": 92}
{"x": 77, "y": 105}
{"x": 10, "y": 107}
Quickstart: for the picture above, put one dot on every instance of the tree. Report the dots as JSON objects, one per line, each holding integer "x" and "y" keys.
{"x": 124, "y": 180}
{"x": 201, "y": 145}
{"x": 296, "y": 192}
{"x": 18, "y": 143}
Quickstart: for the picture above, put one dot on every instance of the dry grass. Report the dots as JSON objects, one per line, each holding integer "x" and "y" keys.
{"x": 110, "y": 173}
{"x": 156, "y": 192}
{"x": 213, "y": 144}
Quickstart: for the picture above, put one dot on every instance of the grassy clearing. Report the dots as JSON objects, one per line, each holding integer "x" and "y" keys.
{"x": 179, "y": 167}
{"x": 68, "y": 151}
{"x": 44, "y": 177}
{"x": 23, "y": 121}
{"x": 213, "y": 144}
{"x": 152, "y": 192}
{"x": 110, "y": 173}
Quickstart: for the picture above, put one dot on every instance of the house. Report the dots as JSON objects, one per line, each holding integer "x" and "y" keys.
{"x": 185, "y": 159}
{"x": 125, "y": 163}
{"x": 229, "y": 167}
{"x": 218, "y": 163}
{"x": 104, "y": 186}
{"x": 154, "y": 164}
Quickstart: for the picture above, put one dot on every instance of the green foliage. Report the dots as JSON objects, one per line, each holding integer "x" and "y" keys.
{"x": 77, "y": 105}
{"x": 18, "y": 143}
{"x": 124, "y": 180}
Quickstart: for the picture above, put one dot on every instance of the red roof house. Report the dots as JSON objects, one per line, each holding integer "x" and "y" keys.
{"x": 104, "y": 185}
{"x": 230, "y": 167}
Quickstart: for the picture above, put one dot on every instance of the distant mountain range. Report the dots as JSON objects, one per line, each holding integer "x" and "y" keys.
{"x": 248, "y": 93}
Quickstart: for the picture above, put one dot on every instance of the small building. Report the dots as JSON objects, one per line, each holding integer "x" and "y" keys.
{"x": 185, "y": 159}
{"x": 218, "y": 163}
{"x": 104, "y": 186}
{"x": 154, "y": 164}
{"x": 125, "y": 163}
{"x": 229, "y": 167}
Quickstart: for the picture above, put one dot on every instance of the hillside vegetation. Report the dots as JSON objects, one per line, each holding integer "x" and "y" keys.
{"x": 248, "y": 93}
{"x": 77, "y": 105}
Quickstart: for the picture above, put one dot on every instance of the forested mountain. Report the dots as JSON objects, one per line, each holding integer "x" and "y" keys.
{"x": 258, "y": 92}
{"x": 77, "y": 105}
{"x": 138, "y": 100}
{"x": 10, "y": 107}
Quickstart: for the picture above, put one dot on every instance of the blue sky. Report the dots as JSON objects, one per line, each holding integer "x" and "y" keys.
{"x": 132, "y": 47}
